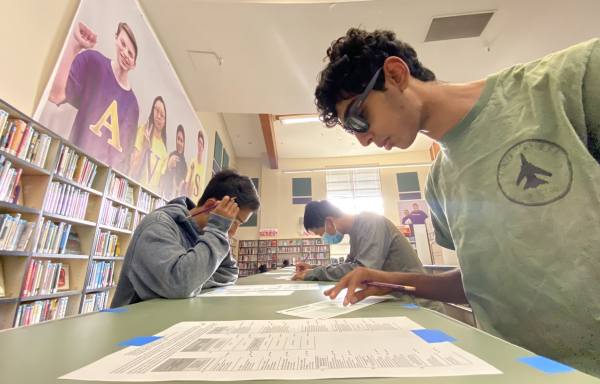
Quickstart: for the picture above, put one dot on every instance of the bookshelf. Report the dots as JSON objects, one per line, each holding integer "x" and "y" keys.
{"x": 314, "y": 251}
{"x": 247, "y": 257}
{"x": 267, "y": 254}
{"x": 36, "y": 183}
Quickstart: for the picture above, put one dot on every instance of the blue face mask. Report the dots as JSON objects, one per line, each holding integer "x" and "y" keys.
{"x": 335, "y": 239}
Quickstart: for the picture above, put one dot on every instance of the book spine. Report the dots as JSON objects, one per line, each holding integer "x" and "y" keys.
{"x": 61, "y": 159}
{"x": 56, "y": 277}
{"x": 25, "y": 292}
{"x": 13, "y": 195}
{"x": 63, "y": 244}
{"x": 18, "y": 136}
{"x": 24, "y": 239}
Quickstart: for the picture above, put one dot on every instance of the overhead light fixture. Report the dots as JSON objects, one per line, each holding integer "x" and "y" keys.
{"x": 358, "y": 168}
{"x": 298, "y": 119}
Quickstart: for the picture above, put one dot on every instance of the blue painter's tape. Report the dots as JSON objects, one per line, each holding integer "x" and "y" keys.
{"x": 433, "y": 335}
{"x": 216, "y": 289}
{"x": 411, "y": 306}
{"x": 545, "y": 365}
{"x": 115, "y": 310}
{"x": 139, "y": 341}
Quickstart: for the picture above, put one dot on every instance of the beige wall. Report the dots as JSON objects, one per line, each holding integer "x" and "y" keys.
{"x": 276, "y": 187}
{"x": 33, "y": 34}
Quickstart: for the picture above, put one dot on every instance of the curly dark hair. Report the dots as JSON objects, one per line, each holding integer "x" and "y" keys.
{"x": 353, "y": 61}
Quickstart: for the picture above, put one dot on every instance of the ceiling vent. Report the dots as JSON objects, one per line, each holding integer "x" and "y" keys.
{"x": 206, "y": 61}
{"x": 458, "y": 26}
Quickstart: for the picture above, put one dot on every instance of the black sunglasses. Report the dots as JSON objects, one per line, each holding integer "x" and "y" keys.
{"x": 355, "y": 123}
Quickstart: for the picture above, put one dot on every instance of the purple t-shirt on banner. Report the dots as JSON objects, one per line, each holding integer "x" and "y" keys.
{"x": 107, "y": 114}
{"x": 418, "y": 217}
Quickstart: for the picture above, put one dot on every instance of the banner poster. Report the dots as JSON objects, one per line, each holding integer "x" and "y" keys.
{"x": 114, "y": 94}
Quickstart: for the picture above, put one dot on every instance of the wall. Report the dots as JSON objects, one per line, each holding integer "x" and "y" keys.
{"x": 276, "y": 187}
{"x": 34, "y": 32}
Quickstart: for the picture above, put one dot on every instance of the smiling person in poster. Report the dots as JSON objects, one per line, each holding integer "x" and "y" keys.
{"x": 417, "y": 216}
{"x": 173, "y": 180}
{"x": 149, "y": 157}
{"x": 107, "y": 109}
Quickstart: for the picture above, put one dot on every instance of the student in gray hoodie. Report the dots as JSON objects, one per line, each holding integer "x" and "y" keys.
{"x": 177, "y": 250}
{"x": 375, "y": 242}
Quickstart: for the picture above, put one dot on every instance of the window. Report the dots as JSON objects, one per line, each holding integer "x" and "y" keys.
{"x": 355, "y": 191}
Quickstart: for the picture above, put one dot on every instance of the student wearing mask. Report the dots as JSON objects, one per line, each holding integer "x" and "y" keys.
{"x": 520, "y": 149}
{"x": 375, "y": 242}
{"x": 149, "y": 158}
{"x": 181, "y": 248}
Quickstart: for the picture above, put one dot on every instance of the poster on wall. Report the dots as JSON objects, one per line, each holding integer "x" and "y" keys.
{"x": 114, "y": 94}
{"x": 413, "y": 212}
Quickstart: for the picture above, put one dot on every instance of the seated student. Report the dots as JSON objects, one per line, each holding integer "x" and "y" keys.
{"x": 262, "y": 268}
{"x": 181, "y": 248}
{"x": 285, "y": 263}
{"x": 375, "y": 242}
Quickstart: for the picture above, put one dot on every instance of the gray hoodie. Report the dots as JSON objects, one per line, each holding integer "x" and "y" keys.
{"x": 171, "y": 257}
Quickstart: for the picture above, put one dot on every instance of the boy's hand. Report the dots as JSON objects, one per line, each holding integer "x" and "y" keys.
{"x": 353, "y": 281}
{"x": 300, "y": 275}
{"x": 302, "y": 267}
{"x": 84, "y": 36}
{"x": 172, "y": 163}
{"x": 147, "y": 134}
{"x": 227, "y": 208}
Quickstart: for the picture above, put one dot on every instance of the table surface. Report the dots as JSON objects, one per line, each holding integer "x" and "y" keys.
{"x": 43, "y": 352}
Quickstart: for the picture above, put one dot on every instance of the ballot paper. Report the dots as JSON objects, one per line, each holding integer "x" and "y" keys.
{"x": 274, "y": 287}
{"x": 330, "y": 308}
{"x": 236, "y": 293}
{"x": 285, "y": 350}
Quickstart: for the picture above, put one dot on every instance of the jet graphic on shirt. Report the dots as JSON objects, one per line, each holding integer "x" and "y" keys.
{"x": 529, "y": 172}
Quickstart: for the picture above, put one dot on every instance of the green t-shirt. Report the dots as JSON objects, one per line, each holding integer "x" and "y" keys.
{"x": 516, "y": 191}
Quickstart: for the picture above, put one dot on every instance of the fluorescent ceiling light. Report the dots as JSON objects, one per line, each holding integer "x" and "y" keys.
{"x": 350, "y": 168}
{"x": 294, "y": 120}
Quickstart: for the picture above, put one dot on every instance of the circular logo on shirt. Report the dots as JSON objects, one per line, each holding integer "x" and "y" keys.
{"x": 535, "y": 172}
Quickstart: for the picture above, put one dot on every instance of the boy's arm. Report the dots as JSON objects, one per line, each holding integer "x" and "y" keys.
{"x": 82, "y": 38}
{"x": 591, "y": 101}
{"x": 373, "y": 247}
{"x": 179, "y": 271}
{"x": 445, "y": 287}
{"x": 226, "y": 274}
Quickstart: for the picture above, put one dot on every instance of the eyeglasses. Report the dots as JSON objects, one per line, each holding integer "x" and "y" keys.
{"x": 159, "y": 113}
{"x": 355, "y": 123}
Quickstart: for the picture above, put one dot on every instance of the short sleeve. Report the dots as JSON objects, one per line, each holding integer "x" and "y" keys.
{"x": 189, "y": 171}
{"x": 438, "y": 218}
{"x": 591, "y": 101}
{"x": 77, "y": 80}
{"x": 139, "y": 137}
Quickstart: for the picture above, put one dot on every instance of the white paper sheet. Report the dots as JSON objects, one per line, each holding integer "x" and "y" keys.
{"x": 278, "y": 273}
{"x": 235, "y": 293}
{"x": 330, "y": 308}
{"x": 273, "y": 287}
{"x": 285, "y": 350}
{"x": 285, "y": 278}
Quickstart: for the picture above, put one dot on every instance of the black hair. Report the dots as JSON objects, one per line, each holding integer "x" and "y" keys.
{"x": 316, "y": 212}
{"x": 352, "y": 62}
{"x": 179, "y": 129}
{"x": 415, "y": 204}
{"x": 163, "y": 133}
{"x": 262, "y": 268}
{"x": 229, "y": 182}
{"x": 286, "y": 263}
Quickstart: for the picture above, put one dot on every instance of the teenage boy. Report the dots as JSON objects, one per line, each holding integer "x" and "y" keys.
{"x": 520, "y": 150}
{"x": 375, "y": 242}
{"x": 417, "y": 216}
{"x": 107, "y": 109}
{"x": 196, "y": 171}
{"x": 181, "y": 248}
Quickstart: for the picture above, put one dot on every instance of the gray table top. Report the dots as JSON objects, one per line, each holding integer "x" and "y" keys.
{"x": 43, "y": 352}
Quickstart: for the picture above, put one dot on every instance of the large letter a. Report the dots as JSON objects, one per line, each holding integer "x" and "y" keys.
{"x": 113, "y": 126}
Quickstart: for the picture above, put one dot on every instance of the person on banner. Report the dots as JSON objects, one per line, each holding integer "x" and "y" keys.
{"x": 195, "y": 174}
{"x": 173, "y": 180}
{"x": 98, "y": 87}
{"x": 407, "y": 221}
{"x": 149, "y": 157}
{"x": 417, "y": 216}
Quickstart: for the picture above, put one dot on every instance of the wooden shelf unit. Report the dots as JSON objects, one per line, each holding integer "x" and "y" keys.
{"x": 247, "y": 257}
{"x": 35, "y": 185}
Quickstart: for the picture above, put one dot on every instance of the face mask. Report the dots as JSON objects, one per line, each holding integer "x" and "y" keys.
{"x": 335, "y": 239}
